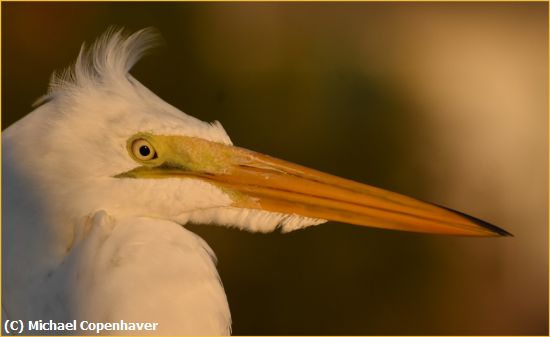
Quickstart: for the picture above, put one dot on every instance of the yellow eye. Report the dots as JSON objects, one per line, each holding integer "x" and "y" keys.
{"x": 143, "y": 150}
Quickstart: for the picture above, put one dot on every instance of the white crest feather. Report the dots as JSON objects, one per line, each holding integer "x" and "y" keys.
{"x": 107, "y": 61}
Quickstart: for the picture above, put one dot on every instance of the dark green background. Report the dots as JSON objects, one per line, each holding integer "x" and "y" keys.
{"x": 328, "y": 86}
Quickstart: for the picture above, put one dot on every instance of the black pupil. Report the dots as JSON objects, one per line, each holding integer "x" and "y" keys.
{"x": 144, "y": 150}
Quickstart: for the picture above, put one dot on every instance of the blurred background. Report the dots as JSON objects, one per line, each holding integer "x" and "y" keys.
{"x": 446, "y": 102}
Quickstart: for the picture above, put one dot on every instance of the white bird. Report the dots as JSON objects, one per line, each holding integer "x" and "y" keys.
{"x": 100, "y": 179}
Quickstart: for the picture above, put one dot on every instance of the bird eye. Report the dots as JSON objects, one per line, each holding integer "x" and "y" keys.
{"x": 143, "y": 150}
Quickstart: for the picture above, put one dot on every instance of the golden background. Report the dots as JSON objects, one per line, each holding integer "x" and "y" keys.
{"x": 446, "y": 102}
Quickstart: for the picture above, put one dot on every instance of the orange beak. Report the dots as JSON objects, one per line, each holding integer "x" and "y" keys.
{"x": 257, "y": 181}
{"x": 279, "y": 186}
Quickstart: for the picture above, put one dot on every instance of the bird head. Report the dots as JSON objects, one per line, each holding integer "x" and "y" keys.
{"x": 101, "y": 140}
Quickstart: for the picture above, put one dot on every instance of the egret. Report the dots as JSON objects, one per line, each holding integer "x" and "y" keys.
{"x": 101, "y": 177}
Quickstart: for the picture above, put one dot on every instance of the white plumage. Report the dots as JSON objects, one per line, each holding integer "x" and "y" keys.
{"x": 92, "y": 231}
{"x": 80, "y": 244}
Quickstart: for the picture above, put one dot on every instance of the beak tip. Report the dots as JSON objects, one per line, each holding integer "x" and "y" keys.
{"x": 497, "y": 231}
{"x": 494, "y": 230}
